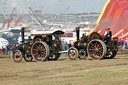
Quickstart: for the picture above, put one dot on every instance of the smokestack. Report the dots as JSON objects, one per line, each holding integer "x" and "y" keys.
{"x": 77, "y": 33}
{"x": 22, "y": 34}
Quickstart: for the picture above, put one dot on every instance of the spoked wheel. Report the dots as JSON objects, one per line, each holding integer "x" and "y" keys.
{"x": 82, "y": 54}
{"x": 54, "y": 57}
{"x": 96, "y": 49}
{"x": 17, "y": 56}
{"x": 110, "y": 55}
{"x": 28, "y": 58}
{"x": 73, "y": 53}
{"x": 40, "y": 51}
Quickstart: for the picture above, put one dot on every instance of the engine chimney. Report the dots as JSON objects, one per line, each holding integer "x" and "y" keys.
{"x": 22, "y": 34}
{"x": 77, "y": 33}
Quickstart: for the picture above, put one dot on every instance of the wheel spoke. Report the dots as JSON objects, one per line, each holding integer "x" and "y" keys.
{"x": 42, "y": 48}
{"x": 43, "y": 51}
{"x": 41, "y": 55}
{"x": 92, "y": 45}
{"x": 100, "y": 48}
{"x": 100, "y": 51}
{"x": 35, "y": 50}
{"x": 98, "y": 45}
{"x": 91, "y": 49}
{"x": 95, "y": 44}
{"x": 95, "y": 53}
{"x": 98, "y": 54}
{"x": 37, "y": 47}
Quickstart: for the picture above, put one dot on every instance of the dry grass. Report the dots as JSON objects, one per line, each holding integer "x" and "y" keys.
{"x": 65, "y": 72}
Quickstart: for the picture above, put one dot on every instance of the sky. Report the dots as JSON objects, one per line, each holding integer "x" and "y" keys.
{"x": 75, "y": 6}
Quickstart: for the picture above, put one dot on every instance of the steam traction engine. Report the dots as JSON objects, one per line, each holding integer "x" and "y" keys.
{"x": 44, "y": 46}
{"x": 95, "y": 46}
{"x": 80, "y": 47}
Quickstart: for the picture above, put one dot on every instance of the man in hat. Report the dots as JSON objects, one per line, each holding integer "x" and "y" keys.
{"x": 108, "y": 35}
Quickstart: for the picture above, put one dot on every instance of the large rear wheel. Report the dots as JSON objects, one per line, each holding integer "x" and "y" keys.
{"x": 40, "y": 51}
{"x": 96, "y": 49}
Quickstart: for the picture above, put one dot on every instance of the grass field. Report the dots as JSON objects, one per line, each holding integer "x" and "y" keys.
{"x": 65, "y": 72}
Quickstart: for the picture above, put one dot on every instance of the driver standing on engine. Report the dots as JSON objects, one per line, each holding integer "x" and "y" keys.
{"x": 108, "y": 35}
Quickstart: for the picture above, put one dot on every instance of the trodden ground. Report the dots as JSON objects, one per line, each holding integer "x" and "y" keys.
{"x": 65, "y": 72}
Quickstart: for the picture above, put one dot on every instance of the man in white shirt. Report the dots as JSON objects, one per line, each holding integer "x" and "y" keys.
{"x": 107, "y": 35}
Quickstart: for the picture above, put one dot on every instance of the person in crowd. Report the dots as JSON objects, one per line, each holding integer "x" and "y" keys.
{"x": 69, "y": 45}
{"x": 0, "y": 51}
{"x": 66, "y": 46}
{"x": 9, "y": 50}
{"x": 6, "y": 48}
{"x": 3, "y": 50}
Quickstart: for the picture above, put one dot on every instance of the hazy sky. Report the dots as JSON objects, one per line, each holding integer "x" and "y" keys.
{"x": 75, "y": 6}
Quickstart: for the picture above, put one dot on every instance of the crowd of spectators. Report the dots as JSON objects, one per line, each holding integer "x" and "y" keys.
{"x": 123, "y": 44}
{"x": 7, "y": 50}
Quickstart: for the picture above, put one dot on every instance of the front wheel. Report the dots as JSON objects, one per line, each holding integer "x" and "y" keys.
{"x": 73, "y": 53}
{"x": 17, "y": 56}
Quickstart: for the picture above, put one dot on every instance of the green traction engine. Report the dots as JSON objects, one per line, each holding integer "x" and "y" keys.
{"x": 44, "y": 46}
{"x": 94, "y": 46}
